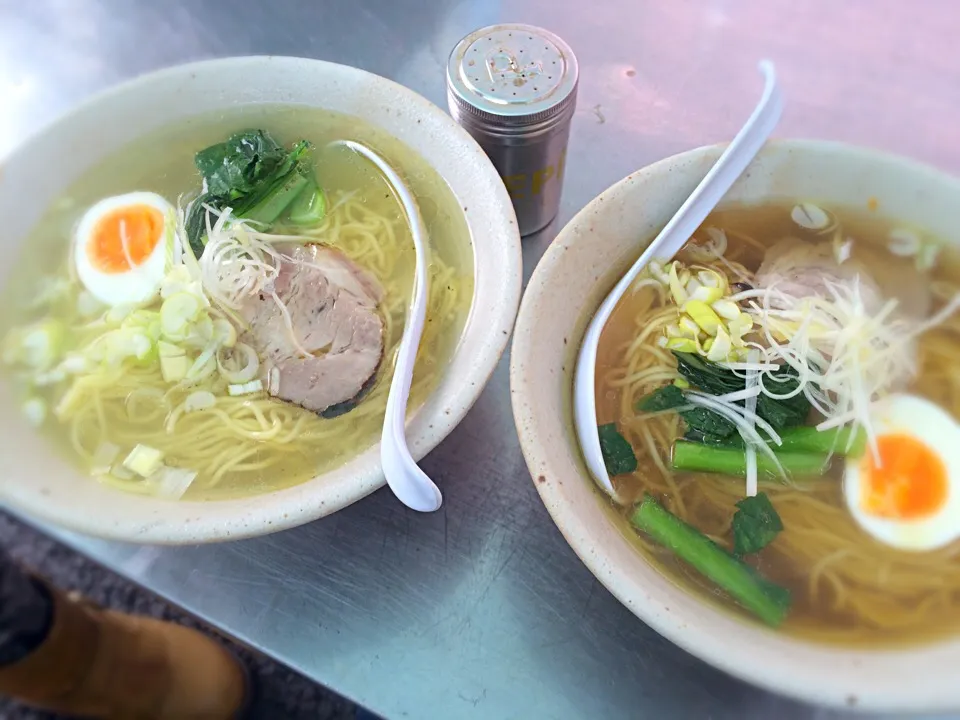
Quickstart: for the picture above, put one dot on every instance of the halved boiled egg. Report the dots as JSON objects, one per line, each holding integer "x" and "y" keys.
{"x": 120, "y": 247}
{"x": 906, "y": 492}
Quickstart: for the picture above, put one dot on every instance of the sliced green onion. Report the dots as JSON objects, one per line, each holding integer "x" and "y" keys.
{"x": 167, "y": 349}
{"x": 199, "y": 400}
{"x": 35, "y": 411}
{"x": 200, "y": 333}
{"x": 247, "y": 370}
{"x": 253, "y": 386}
{"x": 224, "y": 332}
{"x": 122, "y": 473}
{"x": 177, "y": 314}
{"x": 88, "y": 306}
{"x": 203, "y": 367}
{"x": 174, "y": 368}
{"x": 171, "y": 483}
{"x": 37, "y": 346}
{"x": 103, "y": 458}
{"x": 144, "y": 460}
{"x": 50, "y": 377}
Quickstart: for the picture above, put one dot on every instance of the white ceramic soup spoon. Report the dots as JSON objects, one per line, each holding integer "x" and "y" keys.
{"x": 674, "y": 235}
{"x": 408, "y": 482}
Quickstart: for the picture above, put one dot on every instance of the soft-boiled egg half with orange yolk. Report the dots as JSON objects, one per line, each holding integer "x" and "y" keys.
{"x": 120, "y": 248}
{"x": 905, "y": 491}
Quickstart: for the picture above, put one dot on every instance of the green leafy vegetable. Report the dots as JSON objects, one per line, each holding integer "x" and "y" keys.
{"x": 196, "y": 220}
{"x": 697, "y": 457}
{"x": 716, "y": 380}
{"x": 708, "y": 422}
{"x": 234, "y": 168}
{"x": 255, "y": 176}
{"x": 666, "y": 398}
{"x": 755, "y": 524}
{"x": 698, "y": 419}
{"x": 617, "y": 454}
{"x": 707, "y": 376}
{"x": 766, "y": 600}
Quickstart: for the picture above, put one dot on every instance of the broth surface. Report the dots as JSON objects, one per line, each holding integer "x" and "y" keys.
{"x": 370, "y": 228}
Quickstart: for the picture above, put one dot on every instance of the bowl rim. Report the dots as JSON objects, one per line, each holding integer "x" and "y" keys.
{"x": 493, "y": 219}
{"x": 733, "y": 658}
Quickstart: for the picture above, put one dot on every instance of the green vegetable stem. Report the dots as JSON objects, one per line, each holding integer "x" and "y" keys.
{"x": 836, "y": 441}
{"x": 765, "y": 599}
{"x": 696, "y": 457}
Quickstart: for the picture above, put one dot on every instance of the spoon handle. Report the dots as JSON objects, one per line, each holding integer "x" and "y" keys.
{"x": 407, "y": 481}
{"x": 695, "y": 209}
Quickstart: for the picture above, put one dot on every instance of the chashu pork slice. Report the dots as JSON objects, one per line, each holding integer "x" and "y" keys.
{"x": 332, "y": 304}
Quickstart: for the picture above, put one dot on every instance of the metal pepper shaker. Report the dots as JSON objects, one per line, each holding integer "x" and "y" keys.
{"x": 514, "y": 89}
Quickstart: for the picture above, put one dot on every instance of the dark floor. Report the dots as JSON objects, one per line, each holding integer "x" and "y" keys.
{"x": 282, "y": 693}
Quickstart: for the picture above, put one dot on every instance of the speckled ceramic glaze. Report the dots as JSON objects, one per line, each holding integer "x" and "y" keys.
{"x": 582, "y": 265}
{"x": 44, "y": 485}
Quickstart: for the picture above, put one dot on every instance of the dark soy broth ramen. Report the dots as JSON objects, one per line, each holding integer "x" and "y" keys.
{"x": 853, "y": 538}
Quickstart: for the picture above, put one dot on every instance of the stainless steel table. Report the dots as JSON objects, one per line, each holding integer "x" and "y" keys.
{"x": 481, "y": 610}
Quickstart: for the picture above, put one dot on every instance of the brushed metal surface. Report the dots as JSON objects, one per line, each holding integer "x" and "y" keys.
{"x": 481, "y": 610}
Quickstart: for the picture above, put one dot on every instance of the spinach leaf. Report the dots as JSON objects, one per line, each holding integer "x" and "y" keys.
{"x": 716, "y": 380}
{"x": 664, "y": 398}
{"x": 617, "y": 454}
{"x": 755, "y": 524}
{"x": 707, "y": 376}
{"x": 708, "y": 422}
{"x": 196, "y": 223}
{"x": 699, "y": 420}
{"x": 251, "y": 173}
{"x": 786, "y": 412}
{"x": 234, "y": 168}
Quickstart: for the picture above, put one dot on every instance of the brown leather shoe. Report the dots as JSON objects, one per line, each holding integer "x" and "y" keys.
{"x": 105, "y": 664}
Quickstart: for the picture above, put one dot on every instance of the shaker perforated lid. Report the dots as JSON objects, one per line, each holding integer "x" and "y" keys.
{"x": 512, "y": 75}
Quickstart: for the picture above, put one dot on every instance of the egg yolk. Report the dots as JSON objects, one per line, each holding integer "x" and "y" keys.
{"x": 138, "y": 226}
{"x": 910, "y": 480}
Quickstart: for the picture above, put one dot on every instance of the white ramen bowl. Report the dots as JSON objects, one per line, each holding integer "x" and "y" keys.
{"x": 583, "y": 263}
{"x": 45, "y": 485}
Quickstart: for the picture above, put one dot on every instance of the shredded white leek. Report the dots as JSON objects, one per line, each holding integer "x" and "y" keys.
{"x": 846, "y": 355}
{"x": 236, "y": 263}
{"x": 750, "y": 451}
{"x": 743, "y": 420}
{"x": 239, "y": 262}
{"x": 737, "y": 415}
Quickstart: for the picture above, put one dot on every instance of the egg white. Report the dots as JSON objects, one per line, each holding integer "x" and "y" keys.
{"x": 137, "y": 285}
{"x": 934, "y": 427}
